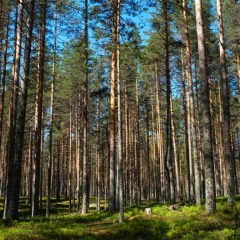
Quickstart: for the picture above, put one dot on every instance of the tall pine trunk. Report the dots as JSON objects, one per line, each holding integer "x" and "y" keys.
{"x": 2, "y": 105}
{"x": 238, "y": 70}
{"x": 3, "y": 81}
{"x": 120, "y": 150}
{"x": 14, "y": 167}
{"x": 137, "y": 150}
{"x": 169, "y": 142}
{"x": 192, "y": 108}
{"x": 175, "y": 155}
{"x": 159, "y": 137}
{"x": 210, "y": 204}
{"x": 112, "y": 126}
{"x": 85, "y": 190}
{"x": 50, "y": 156}
{"x": 16, "y": 150}
{"x": 70, "y": 161}
{"x": 226, "y": 111}
{"x": 127, "y": 155}
{"x": 98, "y": 158}
{"x": 38, "y": 113}
{"x": 187, "y": 150}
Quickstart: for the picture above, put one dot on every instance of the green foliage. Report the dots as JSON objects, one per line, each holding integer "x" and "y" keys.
{"x": 140, "y": 228}
{"x": 189, "y": 222}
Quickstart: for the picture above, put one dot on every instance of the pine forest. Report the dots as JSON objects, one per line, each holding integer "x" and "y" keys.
{"x": 122, "y": 101}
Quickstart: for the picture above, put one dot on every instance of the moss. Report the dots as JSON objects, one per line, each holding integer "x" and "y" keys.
{"x": 189, "y": 222}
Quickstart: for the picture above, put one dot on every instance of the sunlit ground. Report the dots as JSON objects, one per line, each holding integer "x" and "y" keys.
{"x": 189, "y": 222}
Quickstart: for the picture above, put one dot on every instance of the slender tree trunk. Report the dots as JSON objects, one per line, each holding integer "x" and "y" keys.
{"x": 41, "y": 168}
{"x": 206, "y": 117}
{"x": 85, "y": 119}
{"x": 238, "y": 69}
{"x": 127, "y": 158}
{"x": 186, "y": 181}
{"x": 112, "y": 130}
{"x": 161, "y": 162}
{"x": 4, "y": 74}
{"x": 58, "y": 190}
{"x": 38, "y": 114}
{"x": 22, "y": 103}
{"x": 176, "y": 160}
{"x": 192, "y": 108}
{"x": 218, "y": 140}
{"x": 120, "y": 150}
{"x": 2, "y": 104}
{"x": 107, "y": 170}
{"x": 70, "y": 160}
{"x": 78, "y": 152}
{"x": 137, "y": 151}
{"x": 147, "y": 152}
{"x": 29, "y": 167}
{"x": 222, "y": 170}
{"x": 98, "y": 158}
{"x": 14, "y": 167}
{"x": 169, "y": 145}
{"x": 11, "y": 125}
{"x": 50, "y": 157}
{"x": 159, "y": 137}
{"x": 226, "y": 111}
{"x": 154, "y": 157}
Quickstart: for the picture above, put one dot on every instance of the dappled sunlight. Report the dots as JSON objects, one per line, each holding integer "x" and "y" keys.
{"x": 189, "y": 222}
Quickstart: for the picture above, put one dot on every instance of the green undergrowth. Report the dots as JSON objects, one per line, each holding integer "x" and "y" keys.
{"x": 189, "y": 222}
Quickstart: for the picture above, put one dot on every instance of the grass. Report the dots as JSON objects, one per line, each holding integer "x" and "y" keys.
{"x": 190, "y": 222}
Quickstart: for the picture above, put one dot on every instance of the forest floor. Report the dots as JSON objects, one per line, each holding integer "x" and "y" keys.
{"x": 188, "y": 222}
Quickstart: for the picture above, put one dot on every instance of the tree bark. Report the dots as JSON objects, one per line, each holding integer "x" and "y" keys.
{"x": 238, "y": 70}
{"x": 120, "y": 150}
{"x": 70, "y": 163}
{"x": 112, "y": 130}
{"x": 192, "y": 108}
{"x": 137, "y": 149}
{"x": 38, "y": 113}
{"x": 50, "y": 157}
{"x": 29, "y": 173}
{"x": 226, "y": 111}
{"x": 176, "y": 160}
{"x": 169, "y": 142}
{"x": 58, "y": 182}
{"x": 98, "y": 158}
{"x": 3, "y": 78}
{"x": 127, "y": 154}
{"x": 161, "y": 163}
{"x": 14, "y": 167}
{"x": 159, "y": 154}
{"x": 147, "y": 152}
{"x": 78, "y": 152}
{"x": 210, "y": 204}
{"x": 85, "y": 189}
{"x": 187, "y": 150}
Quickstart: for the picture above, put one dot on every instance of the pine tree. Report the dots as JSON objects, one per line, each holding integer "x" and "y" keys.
{"x": 18, "y": 113}
{"x": 226, "y": 111}
{"x": 39, "y": 112}
{"x": 192, "y": 133}
{"x": 85, "y": 198}
{"x": 205, "y": 111}
{"x": 112, "y": 117}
